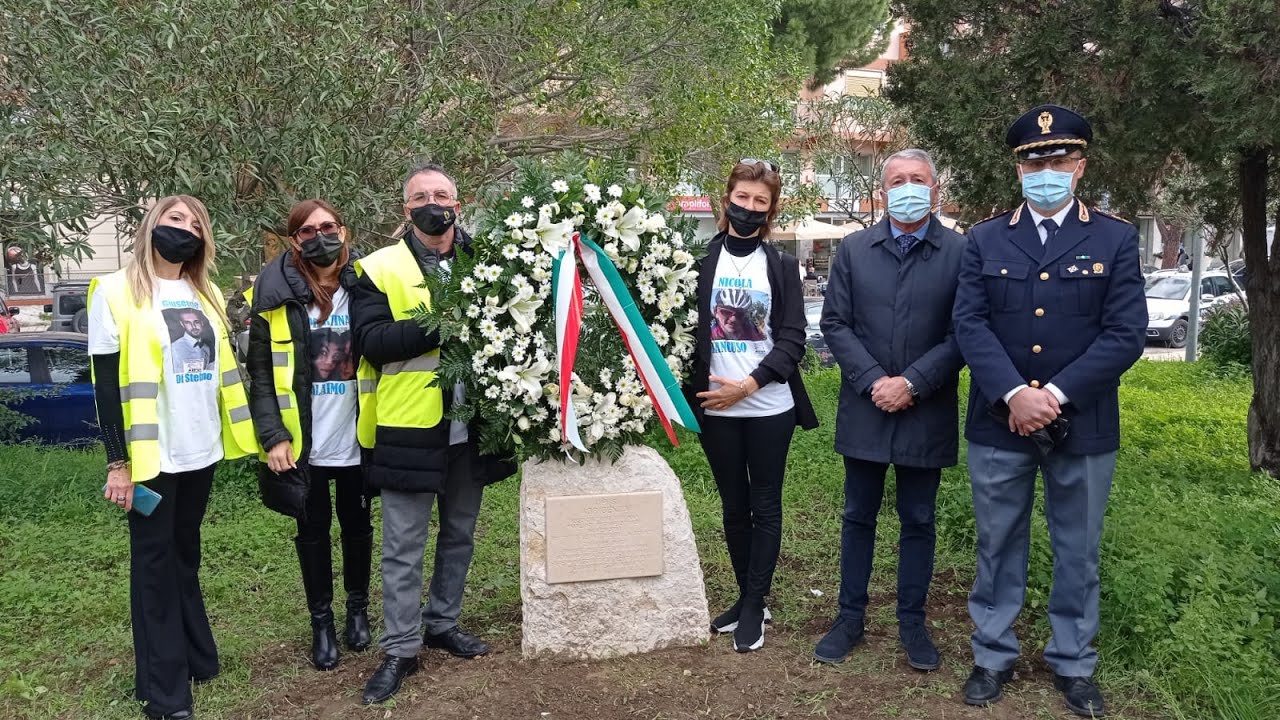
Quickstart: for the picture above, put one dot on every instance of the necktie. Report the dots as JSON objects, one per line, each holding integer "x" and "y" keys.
{"x": 906, "y": 242}
{"x": 1050, "y": 229}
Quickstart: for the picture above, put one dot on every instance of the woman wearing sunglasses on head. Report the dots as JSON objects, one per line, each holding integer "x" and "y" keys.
{"x": 302, "y": 394}
{"x": 746, "y": 381}
{"x": 171, "y": 404}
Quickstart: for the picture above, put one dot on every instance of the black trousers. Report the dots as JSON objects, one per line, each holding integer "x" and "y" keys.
{"x": 748, "y": 457}
{"x": 916, "y": 501}
{"x": 351, "y": 504}
{"x": 172, "y": 641}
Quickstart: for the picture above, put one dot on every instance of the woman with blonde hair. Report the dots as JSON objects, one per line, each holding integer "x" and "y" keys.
{"x": 304, "y": 403}
{"x": 171, "y": 404}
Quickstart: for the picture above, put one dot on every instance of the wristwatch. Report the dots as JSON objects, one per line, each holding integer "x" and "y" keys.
{"x": 911, "y": 388}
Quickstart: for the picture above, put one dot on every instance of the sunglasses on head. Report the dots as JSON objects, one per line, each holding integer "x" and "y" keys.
{"x": 756, "y": 161}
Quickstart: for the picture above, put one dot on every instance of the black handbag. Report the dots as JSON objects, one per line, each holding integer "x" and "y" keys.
{"x": 285, "y": 492}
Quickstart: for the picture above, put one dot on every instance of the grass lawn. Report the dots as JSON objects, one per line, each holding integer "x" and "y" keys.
{"x": 1191, "y": 594}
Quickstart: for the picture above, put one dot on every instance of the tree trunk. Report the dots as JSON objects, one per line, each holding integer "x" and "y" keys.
{"x": 1263, "y": 287}
{"x": 1170, "y": 237}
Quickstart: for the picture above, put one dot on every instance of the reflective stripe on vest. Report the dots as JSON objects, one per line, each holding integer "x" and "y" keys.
{"x": 403, "y": 395}
{"x": 282, "y": 370}
{"x": 142, "y": 371}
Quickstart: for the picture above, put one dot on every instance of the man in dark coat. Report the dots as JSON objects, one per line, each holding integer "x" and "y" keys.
{"x": 437, "y": 465}
{"x": 887, "y": 321}
{"x": 1049, "y": 314}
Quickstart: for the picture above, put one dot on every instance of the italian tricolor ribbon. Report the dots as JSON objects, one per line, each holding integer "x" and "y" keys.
{"x": 658, "y": 380}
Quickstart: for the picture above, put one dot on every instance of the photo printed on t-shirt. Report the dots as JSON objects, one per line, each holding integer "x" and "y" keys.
{"x": 192, "y": 344}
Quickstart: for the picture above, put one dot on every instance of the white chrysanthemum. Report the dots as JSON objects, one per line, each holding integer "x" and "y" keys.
{"x": 473, "y": 311}
{"x": 604, "y": 216}
{"x": 528, "y": 201}
{"x": 526, "y": 257}
{"x": 468, "y": 286}
{"x": 510, "y": 252}
{"x": 615, "y": 191}
{"x": 648, "y": 295}
{"x": 492, "y": 273}
{"x": 492, "y": 392}
{"x": 592, "y": 192}
{"x": 514, "y": 220}
{"x": 488, "y": 328}
{"x": 606, "y": 376}
{"x": 660, "y": 335}
{"x": 560, "y": 186}
{"x": 662, "y": 251}
{"x": 655, "y": 223}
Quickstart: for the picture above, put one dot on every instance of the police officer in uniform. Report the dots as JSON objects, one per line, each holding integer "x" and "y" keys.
{"x": 1049, "y": 314}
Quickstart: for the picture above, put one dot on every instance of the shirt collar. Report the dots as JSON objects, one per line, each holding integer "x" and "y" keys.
{"x": 919, "y": 232}
{"x": 1058, "y": 217}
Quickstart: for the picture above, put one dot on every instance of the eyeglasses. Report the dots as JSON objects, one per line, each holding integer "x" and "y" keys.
{"x": 757, "y": 161}
{"x": 440, "y": 196}
{"x": 1061, "y": 163}
{"x": 306, "y": 232}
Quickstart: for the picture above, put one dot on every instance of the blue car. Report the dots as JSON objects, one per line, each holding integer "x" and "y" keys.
{"x": 45, "y": 376}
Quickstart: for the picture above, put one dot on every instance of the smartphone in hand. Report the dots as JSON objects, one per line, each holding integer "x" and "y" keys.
{"x": 145, "y": 499}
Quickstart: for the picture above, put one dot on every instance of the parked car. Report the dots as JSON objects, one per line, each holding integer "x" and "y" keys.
{"x": 813, "y": 333}
{"x": 1169, "y": 304}
{"x": 8, "y": 318}
{"x": 70, "y": 307}
{"x": 45, "y": 375}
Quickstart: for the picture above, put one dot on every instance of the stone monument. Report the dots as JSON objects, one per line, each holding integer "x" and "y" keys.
{"x": 608, "y": 562}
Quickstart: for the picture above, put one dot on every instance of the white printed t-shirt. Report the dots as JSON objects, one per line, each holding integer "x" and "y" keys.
{"x": 334, "y": 402}
{"x": 740, "y": 336}
{"x": 187, "y": 405}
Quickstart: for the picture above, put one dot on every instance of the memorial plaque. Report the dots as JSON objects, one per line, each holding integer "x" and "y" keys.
{"x": 604, "y": 537}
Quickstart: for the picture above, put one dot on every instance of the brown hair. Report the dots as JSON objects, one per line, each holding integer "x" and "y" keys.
{"x": 757, "y": 172}
{"x": 321, "y": 295}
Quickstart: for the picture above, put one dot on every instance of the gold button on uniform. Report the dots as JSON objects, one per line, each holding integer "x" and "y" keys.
{"x": 1004, "y": 271}
{"x": 1039, "y": 312}
{"x": 1044, "y": 276}
{"x": 1035, "y": 349}
{"x": 1035, "y": 383}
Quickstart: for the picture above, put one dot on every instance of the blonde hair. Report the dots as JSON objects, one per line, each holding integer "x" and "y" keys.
{"x": 141, "y": 270}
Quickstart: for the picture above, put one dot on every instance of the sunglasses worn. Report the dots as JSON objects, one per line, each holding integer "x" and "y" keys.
{"x": 306, "y": 232}
{"x": 757, "y": 161}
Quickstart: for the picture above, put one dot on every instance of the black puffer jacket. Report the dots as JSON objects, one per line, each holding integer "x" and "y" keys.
{"x": 281, "y": 284}
{"x": 410, "y": 459}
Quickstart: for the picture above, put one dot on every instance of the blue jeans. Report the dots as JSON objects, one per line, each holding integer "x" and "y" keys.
{"x": 1075, "y": 500}
{"x": 863, "y": 494}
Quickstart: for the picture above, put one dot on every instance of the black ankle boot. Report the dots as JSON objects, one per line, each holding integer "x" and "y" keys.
{"x": 356, "y": 555}
{"x": 317, "y": 581}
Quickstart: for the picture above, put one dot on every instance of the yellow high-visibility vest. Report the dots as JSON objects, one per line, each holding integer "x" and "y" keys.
{"x": 142, "y": 371}
{"x": 402, "y": 394}
{"x": 282, "y": 369}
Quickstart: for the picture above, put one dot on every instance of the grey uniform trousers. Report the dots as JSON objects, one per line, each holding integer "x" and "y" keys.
{"x": 1076, "y": 492}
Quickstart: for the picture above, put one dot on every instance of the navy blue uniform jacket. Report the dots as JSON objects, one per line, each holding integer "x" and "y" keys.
{"x": 1071, "y": 313}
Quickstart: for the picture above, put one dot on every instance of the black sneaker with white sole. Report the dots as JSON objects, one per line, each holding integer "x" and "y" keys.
{"x": 727, "y": 621}
{"x": 749, "y": 634}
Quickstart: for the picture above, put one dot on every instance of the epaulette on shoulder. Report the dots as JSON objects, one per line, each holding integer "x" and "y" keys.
{"x": 993, "y": 218}
{"x": 1110, "y": 215}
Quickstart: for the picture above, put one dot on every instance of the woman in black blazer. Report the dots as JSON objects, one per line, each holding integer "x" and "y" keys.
{"x": 746, "y": 387}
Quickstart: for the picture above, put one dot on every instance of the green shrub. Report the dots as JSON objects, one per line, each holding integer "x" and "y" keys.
{"x": 1225, "y": 340}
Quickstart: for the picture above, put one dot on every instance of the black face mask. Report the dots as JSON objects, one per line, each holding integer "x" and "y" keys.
{"x": 174, "y": 244}
{"x": 433, "y": 219}
{"x": 745, "y": 222}
{"x": 322, "y": 250}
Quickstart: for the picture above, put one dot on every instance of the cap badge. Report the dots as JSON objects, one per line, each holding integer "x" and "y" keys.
{"x": 1046, "y": 122}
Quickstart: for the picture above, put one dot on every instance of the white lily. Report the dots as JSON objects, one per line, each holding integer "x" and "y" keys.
{"x": 523, "y": 309}
{"x": 629, "y": 228}
{"x": 528, "y": 377}
{"x": 554, "y": 236}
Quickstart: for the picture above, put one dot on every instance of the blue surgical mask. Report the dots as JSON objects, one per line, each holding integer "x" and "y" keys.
{"x": 1047, "y": 189}
{"x": 909, "y": 202}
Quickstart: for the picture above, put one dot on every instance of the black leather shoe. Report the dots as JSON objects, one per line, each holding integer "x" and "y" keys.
{"x": 1082, "y": 696}
{"x": 184, "y": 714}
{"x": 839, "y": 641}
{"x": 317, "y": 582}
{"x": 386, "y": 680}
{"x": 457, "y": 643}
{"x": 922, "y": 654}
{"x": 983, "y": 687}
